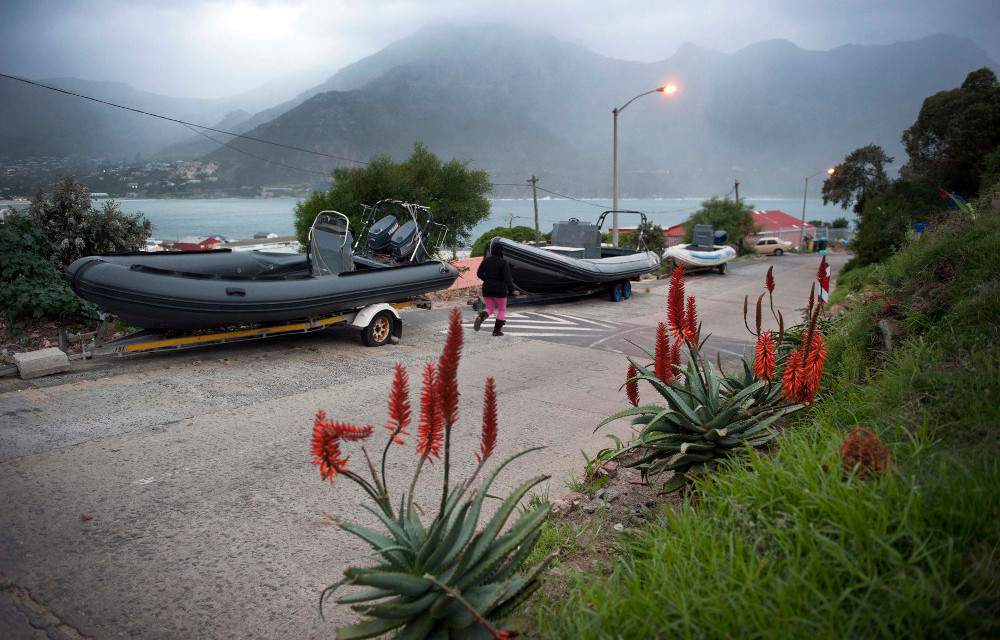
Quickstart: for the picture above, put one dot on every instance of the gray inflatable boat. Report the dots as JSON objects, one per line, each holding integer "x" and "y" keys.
{"x": 207, "y": 289}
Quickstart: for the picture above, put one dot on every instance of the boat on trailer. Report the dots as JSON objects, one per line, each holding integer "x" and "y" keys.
{"x": 577, "y": 263}
{"x": 223, "y": 288}
{"x": 707, "y": 250}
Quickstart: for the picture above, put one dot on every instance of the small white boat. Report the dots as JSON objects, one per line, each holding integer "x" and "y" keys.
{"x": 707, "y": 251}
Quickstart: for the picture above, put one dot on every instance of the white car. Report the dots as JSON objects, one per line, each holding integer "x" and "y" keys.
{"x": 772, "y": 246}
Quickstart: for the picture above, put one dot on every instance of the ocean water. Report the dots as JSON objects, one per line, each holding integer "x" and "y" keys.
{"x": 241, "y": 218}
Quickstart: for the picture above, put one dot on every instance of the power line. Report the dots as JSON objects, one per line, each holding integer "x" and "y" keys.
{"x": 280, "y": 164}
{"x": 186, "y": 124}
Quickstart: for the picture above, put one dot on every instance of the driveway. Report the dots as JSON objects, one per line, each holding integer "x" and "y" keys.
{"x": 173, "y": 495}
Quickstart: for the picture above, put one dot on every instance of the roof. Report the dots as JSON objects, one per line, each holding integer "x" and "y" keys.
{"x": 198, "y": 240}
{"x": 774, "y": 219}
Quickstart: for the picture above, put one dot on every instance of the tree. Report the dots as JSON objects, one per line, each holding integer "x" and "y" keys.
{"x": 954, "y": 133}
{"x": 652, "y": 236}
{"x": 455, "y": 194}
{"x": 517, "y": 234}
{"x": 76, "y": 229}
{"x": 861, "y": 176}
{"x": 735, "y": 217}
{"x": 840, "y": 223}
{"x": 886, "y": 218}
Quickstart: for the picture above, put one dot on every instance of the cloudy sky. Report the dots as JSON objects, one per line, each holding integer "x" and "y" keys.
{"x": 217, "y": 48}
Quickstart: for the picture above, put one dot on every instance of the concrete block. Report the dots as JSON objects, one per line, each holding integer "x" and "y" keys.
{"x": 43, "y": 362}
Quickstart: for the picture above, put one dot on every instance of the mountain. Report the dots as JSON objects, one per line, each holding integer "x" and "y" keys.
{"x": 35, "y": 121}
{"x": 519, "y": 103}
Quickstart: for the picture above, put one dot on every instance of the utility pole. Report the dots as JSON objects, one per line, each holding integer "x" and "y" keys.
{"x": 737, "y": 187}
{"x": 534, "y": 196}
{"x": 510, "y": 220}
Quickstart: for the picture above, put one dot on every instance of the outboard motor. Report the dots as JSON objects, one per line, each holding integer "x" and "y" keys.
{"x": 381, "y": 232}
{"x": 574, "y": 233}
{"x": 721, "y": 238}
{"x": 703, "y": 237}
{"x": 404, "y": 241}
{"x": 330, "y": 245}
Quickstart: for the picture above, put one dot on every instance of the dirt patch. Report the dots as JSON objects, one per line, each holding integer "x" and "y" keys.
{"x": 618, "y": 494}
{"x": 31, "y": 334}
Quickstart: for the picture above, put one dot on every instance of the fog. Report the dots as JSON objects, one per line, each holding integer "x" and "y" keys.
{"x": 218, "y": 48}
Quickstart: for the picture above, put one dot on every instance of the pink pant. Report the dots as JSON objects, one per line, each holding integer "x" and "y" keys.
{"x": 501, "y": 305}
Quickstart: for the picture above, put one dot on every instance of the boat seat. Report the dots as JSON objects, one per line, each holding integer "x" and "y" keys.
{"x": 330, "y": 247}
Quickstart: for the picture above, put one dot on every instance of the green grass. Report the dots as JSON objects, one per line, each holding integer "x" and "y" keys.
{"x": 790, "y": 544}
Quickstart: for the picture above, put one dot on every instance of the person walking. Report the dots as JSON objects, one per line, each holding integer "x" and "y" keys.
{"x": 494, "y": 271}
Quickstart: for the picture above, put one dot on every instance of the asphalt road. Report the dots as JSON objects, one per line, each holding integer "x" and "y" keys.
{"x": 172, "y": 495}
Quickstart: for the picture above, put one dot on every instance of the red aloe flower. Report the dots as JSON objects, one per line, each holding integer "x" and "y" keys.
{"x": 804, "y": 370}
{"x": 326, "y": 449}
{"x": 763, "y": 364}
{"x": 430, "y": 435}
{"x": 631, "y": 386}
{"x": 691, "y": 320}
{"x": 814, "y": 362}
{"x": 447, "y": 371}
{"x": 675, "y": 358}
{"x": 347, "y": 431}
{"x": 793, "y": 381}
{"x": 489, "y": 438}
{"x": 661, "y": 363}
{"x": 821, "y": 274}
{"x": 399, "y": 405}
{"x": 769, "y": 279}
{"x": 675, "y": 303}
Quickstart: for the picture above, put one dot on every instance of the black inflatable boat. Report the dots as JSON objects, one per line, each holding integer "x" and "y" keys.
{"x": 575, "y": 260}
{"x": 205, "y": 289}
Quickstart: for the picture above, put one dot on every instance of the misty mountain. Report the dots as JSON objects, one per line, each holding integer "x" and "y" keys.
{"x": 39, "y": 122}
{"x": 521, "y": 103}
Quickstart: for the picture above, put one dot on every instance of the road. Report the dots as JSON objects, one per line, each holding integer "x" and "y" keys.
{"x": 173, "y": 495}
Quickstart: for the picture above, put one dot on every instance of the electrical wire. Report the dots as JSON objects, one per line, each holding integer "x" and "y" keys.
{"x": 187, "y": 124}
{"x": 280, "y": 164}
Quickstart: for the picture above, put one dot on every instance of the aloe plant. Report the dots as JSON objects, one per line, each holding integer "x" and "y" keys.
{"x": 709, "y": 416}
{"x": 704, "y": 421}
{"x": 446, "y": 579}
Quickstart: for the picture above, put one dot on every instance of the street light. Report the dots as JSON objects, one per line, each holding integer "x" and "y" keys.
{"x": 802, "y": 229}
{"x": 667, "y": 88}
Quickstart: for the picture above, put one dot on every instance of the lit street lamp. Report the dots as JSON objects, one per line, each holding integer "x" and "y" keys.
{"x": 668, "y": 88}
{"x": 802, "y": 229}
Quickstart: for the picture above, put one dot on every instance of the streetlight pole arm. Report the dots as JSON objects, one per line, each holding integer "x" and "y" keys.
{"x": 622, "y": 108}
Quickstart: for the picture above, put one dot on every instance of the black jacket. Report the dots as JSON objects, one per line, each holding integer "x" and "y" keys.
{"x": 495, "y": 274}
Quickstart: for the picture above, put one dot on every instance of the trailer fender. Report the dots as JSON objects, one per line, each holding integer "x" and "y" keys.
{"x": 365, "y": 316}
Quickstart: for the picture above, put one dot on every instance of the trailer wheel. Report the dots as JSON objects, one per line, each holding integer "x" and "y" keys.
{"x": 615, "y": 293}
{"x": 626, "y": 290}
{"x": 723, "y": 268}
{"x": 379, "y": 330}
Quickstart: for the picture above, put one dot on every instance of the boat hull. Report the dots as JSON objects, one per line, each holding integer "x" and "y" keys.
{"x": 695, "y": 257}
{"x": 538, "y": 271}
{"x": 218, "y": 289}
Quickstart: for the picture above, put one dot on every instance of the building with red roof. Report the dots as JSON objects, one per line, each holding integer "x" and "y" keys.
{"x": 774, "y": 223}
{"x": 196, "y": 244}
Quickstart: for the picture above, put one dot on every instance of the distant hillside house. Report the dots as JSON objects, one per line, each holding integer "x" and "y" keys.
{"x": 778, "y": 224}
{"x": 264, "y": 235}
{"x": 192, "y": 243}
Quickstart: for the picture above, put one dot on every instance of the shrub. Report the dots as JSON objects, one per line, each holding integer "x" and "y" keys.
{"x": 517, "y": 234}
{"x": 30, "y": 285}
{"x": 75, "y": 229}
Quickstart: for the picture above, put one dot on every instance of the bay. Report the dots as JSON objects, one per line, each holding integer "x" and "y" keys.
{"x": 241, "y": 218}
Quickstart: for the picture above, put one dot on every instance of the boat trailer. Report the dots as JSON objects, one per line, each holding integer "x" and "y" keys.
{"x": 379, "y": 324}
